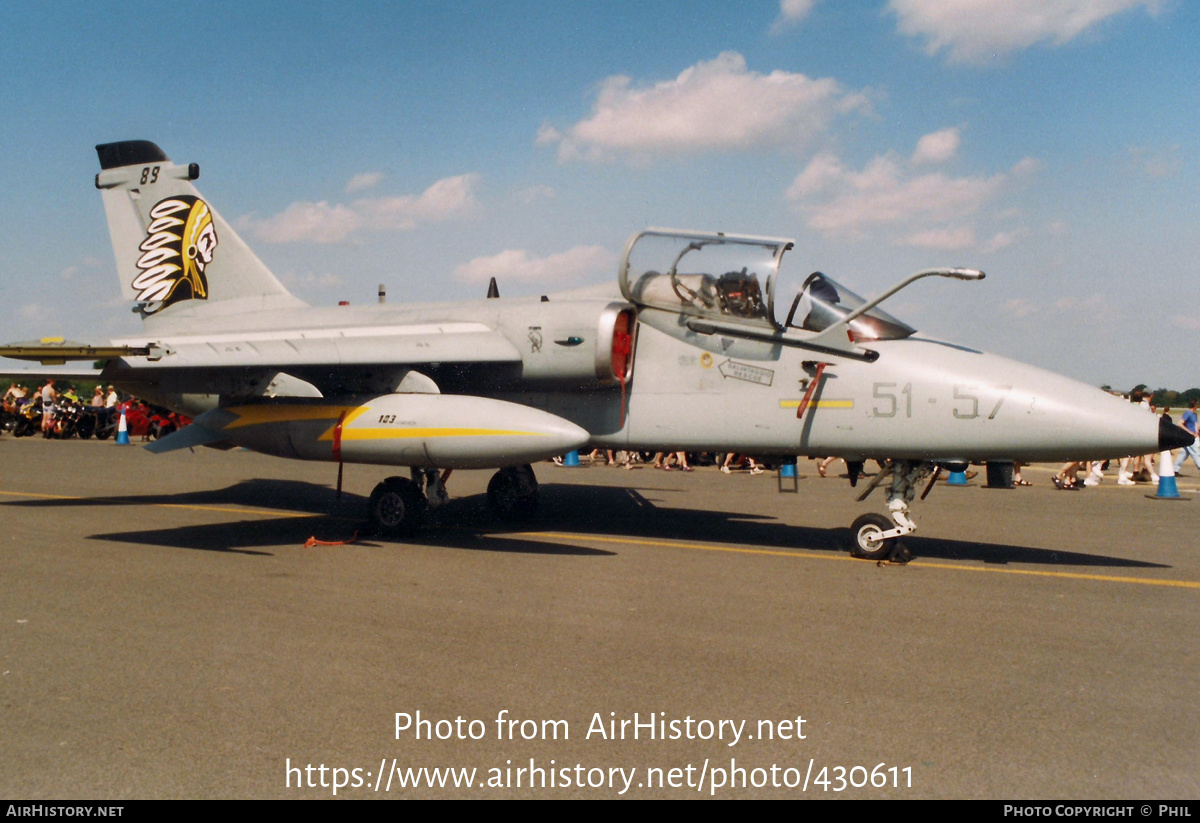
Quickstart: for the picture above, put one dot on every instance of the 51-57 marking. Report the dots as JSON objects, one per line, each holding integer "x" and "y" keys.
{"x": 891, "y": 402}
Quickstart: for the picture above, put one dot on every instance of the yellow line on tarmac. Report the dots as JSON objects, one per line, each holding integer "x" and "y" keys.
{"x": 924, "y": 564}
{"x": 104, "y": 500}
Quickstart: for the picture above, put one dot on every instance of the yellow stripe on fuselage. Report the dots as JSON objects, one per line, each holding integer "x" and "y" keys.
{"x": 820, "y": 404}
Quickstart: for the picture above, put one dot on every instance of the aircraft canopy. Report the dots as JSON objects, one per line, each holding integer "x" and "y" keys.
{"x": 727, "y": 277}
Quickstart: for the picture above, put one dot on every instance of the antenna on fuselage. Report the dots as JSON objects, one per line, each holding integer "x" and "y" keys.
{"x": 493, "y": 289}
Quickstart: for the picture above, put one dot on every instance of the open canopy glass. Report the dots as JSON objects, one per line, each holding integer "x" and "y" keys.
{"x": 724, "y": 277}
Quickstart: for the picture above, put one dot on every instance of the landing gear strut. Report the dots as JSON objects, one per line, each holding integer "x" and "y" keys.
{"x": 513, "y": 493}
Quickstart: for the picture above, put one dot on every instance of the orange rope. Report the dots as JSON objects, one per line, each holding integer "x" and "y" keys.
{"x": 313, "y": 541}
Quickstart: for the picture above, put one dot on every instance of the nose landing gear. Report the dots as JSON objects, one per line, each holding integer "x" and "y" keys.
{"x": 873, "y": 536}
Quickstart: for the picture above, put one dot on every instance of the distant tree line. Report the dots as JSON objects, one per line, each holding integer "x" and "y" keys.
{"x": 1164, "y": 397}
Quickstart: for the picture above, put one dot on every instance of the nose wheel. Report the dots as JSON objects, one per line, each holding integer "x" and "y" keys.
{"x": 873, "y": 537}
{"x": 866, "y": 537}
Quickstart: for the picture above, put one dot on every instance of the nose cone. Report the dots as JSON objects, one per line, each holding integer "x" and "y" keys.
{"x": 1171, "y": 436}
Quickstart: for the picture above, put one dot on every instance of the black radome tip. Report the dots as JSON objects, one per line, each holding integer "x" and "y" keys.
{"x": 1171, "y": 436}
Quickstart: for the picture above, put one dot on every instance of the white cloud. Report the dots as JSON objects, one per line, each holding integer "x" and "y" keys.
{"x": 977, "y": 30}
{"x": 883, "y": 194}
{"x": 937, "y": 147}
{"x": 311, "y": 281}
{"x": 1003, "y": 239}
{"x": 535, "y": 193}
{"x": 1019, "y": 307}
{"x": 1156, "y": 163}
{"x": 321, "y": 222}
{"x": 715, "y": 105}
{"x": 547, "y": 135}
{"x": 821, "y": 174}
{"x": 307, "y": 222}
{"x": 1026, "y": 166}
{"x": 1095, "y": 307}
{"x": 907, "y": 204}
{"x": 517, "y": 264}
{"x": 791, "y": 12}
{"x": 70, "y": 272}
{"x": 942, "y": 239}
{"x": 447, "y": 198}
{"x": 363, "y": 181}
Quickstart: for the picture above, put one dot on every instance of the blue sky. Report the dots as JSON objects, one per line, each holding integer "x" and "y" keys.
{"x": 1052, "y": 143}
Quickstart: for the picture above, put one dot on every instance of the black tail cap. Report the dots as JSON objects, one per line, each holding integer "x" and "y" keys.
{"x": 129, "y": 153}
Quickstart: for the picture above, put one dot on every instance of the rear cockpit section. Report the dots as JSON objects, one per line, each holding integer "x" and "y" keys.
{"x": 713, "y": 276}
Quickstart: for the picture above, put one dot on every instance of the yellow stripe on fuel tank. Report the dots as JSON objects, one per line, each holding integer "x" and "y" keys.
{"x": 259, "y": 415}
{"x": 399, "y": 433}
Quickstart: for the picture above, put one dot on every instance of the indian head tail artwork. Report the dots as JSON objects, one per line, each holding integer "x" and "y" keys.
{"x": 180, "y": 242}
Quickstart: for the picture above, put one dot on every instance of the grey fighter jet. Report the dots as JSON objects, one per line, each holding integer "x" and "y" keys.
{"x": 701, "y": 347}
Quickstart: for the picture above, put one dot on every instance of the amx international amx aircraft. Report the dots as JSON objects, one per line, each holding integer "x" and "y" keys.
{"x": 700, "y": 349}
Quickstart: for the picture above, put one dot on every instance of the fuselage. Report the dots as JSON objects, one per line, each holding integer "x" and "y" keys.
{"x": 920, "y": 399}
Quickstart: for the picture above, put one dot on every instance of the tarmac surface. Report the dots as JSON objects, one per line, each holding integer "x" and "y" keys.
{"x": 165, "y": 632}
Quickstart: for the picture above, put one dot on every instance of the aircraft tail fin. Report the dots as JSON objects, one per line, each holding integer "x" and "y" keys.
{"x": 175, "y": 254}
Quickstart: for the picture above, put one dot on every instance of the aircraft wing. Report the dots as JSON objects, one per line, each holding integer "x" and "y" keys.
{"x": 414, "y": 344}
{"x": 404, "y": 345}
{"x": 55, "y": 351}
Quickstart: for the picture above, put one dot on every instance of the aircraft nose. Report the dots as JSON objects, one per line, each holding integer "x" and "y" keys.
{"x": 1171, "y": 436}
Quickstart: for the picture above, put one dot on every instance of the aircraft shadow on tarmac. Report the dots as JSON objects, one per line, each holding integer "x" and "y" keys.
{"x": 319, "y": 514}
{"x": 465, "y": 523}
{"x": 624, "y": 512}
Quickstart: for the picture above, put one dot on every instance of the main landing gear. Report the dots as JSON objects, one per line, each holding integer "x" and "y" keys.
{"x": 875, "y": 537}
{"x": 513, "y": 493}
{"x": 398, "y": 505}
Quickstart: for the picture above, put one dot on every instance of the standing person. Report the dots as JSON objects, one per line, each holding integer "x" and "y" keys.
{"x": 49, "y": 395}
{"x": 732, "y": 457}
{"x": 111, "y": 399}
{"x": 98, "y": 397}
{"x": 1189, "y": 424}
{"x": 1018, "y": 480}
{"x": 1147, "y": 460}
{"x": 1067, "y": 478}
{"x": 681, "y": 462}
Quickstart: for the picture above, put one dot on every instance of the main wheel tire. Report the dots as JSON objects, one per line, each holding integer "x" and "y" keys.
{"x": 397, "y": 507}
{"x": 513, "y": 493}
{"x": 865, "y": 540}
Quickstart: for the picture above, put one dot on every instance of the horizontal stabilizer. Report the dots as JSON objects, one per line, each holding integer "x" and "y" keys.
{"x": 186, "y": 438}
